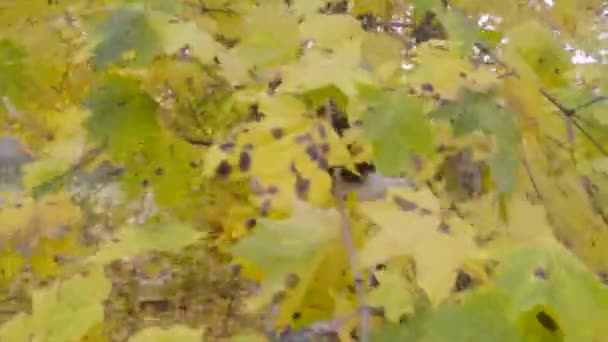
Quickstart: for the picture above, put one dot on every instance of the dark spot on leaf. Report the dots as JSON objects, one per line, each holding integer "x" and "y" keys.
{"x": 291, "y": 280}
{"x": 313, "y": 152}
{"x": 556, "y": 71}
{"x": 193, "y": 164}
{"x": 273, "y": 85}
{"x": 404, "y": 204}
{"x": 302, "y": 187}
{"x": 278, "y": 297}
{"x": 603, "y": 277}
{"x": 227, "y": 147}
{"x": 255, "y": 113}
{"x": 322, "y": 163}
{"x": 265, "y": 207}
{"x": 324, "y": 148}
{"x": 250, "y": 223}
{"x": 276, "y": 132}
{"x": 365, "y": 168}
{"x": 296, "y": 315}
{"x": 547, "y": 321}
{"x": 427, "y": 87}
{"x": 244, "y": 161}
{"x": 223, "y": 169}
{"x": 271, "y": 190}
{"x": 373, "y": 281}
{"x": 541, "y": 60}
{"x": 540, "y": 273}
{"x": 462, "y": 74}
{"x": 380, "y": 267}
{"x": 322, "y": 132}
{"x": 411, "y": 91}
{"x": 145, "y": 183}
{"x": 303, "y": 138}
{"x": 463, "y": 281}
{"x": 443, "y": 228}
{"x": 158, "y": 172}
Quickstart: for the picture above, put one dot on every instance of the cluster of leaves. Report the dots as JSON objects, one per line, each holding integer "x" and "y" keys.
{"x": 381, "y": 169}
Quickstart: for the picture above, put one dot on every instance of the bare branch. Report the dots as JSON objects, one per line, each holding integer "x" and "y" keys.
{"x": 349, "y": 245}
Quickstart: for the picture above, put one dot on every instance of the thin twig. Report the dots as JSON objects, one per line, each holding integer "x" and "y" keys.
{"x": 349, "y": 245}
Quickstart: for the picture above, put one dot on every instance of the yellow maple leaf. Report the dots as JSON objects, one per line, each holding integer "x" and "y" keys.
{"x": 410, "y": 224}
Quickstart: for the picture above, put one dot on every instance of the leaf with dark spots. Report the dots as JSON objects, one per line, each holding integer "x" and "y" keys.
{"x": 404, "y": 204}
{"x": 223, "y": 169}
{"x": 244, "y": 161}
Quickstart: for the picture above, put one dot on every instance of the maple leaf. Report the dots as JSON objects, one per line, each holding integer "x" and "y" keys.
{"x": 186, "y": 38}
{"x": 294, "y": 247}
{"x": 410, "y": 225}
{"x": 131, "y": 241}
{"x": 394, "y": 293}
{"x": 128, "y": 29}
{"x": 286, "y": 154}
{"x": 63, "y": 311}
{"x": 317, "y": 69}
{"x": 546, "y": 275}
{"x": 480, "y": 317}
{"x": 456, "y": 72}
{"x": 397, "y": 128}
{"x": 476, "y": 111}
{"x": 327, "y": 31}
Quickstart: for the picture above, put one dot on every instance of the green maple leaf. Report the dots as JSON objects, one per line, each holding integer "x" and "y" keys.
{"x": 287, "y": 246}
{"x": 546, "y": 275}
{"x": 397, "y": 127}
{"x": 478, "y": 111}
{"x": 480, "y": 317}
{"x": 131, "y": 241}
{"x": 128, "y": 29}
{"x": 175, "y": 333}
{"x": 296, "y": 246}
{"x": 123, "y": 115}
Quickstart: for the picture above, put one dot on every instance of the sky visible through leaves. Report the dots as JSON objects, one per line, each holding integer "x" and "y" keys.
{"x": 362, "y": 170}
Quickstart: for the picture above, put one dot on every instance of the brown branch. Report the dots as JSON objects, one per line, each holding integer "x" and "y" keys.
{"x": 349, "y": 245}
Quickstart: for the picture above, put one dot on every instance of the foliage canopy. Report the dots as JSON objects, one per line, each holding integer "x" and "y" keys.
{"x": 387, "y": 170}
